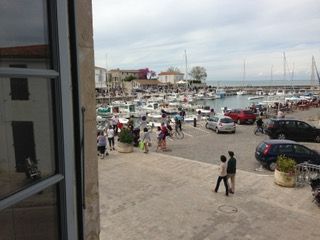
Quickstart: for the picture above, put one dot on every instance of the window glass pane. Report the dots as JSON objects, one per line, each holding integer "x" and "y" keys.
{"x": 27, "y": 135}
{"x": 24, "y": 35}
{"x": 34, "y": 218}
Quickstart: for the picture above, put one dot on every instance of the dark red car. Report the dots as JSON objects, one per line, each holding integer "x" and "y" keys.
{"x": 241, "y": 115}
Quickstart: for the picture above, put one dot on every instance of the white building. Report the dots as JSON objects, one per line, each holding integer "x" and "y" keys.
{"x": 100, "y": 78}
{"x": 26, "y": 116}
{"x": 170, "y": 77}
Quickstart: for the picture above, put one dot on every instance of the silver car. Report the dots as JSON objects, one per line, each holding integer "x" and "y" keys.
{"x": 220, "y": 123}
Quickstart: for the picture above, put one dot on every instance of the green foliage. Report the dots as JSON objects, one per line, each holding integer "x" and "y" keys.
{"x": 286, "y": 164}
{"x": 129, "y": 78}
{"x": 125, "y": 136}
{"x": 173, "y": 69}
{"x": 198, "y": 73}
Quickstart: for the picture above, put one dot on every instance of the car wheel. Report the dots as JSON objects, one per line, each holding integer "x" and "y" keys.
{"x": 281, "y": 136}
{"x": 317, "y": 139}
{"x": 217, "y": 130}
{"x": 207, "y": 127}
{"x": 239, "y": 122}
{"x": 272, "y": 166}
{"x": 234, "y": 131}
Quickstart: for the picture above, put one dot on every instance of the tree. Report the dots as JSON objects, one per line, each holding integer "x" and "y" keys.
{"x": 129, "y": 78}
{"x": 146, "y": 73}
{"x": 173, "y": 69}
{"x": 198, "y": 73}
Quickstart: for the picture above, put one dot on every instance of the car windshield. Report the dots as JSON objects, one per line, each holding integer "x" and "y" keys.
{"x": 261, "y": 147}
{"x": 226, "y": 120}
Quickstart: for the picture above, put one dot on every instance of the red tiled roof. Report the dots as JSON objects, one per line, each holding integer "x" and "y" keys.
{"x": 170, "y": 73}
{"x": 32, "y": 51}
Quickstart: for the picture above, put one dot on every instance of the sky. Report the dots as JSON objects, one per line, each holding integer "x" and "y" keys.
{"x": 243, "y": 40}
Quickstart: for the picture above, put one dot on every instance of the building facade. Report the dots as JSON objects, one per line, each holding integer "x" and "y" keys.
{"x": 48, "y": 179}
{"x": 170, "y": 77}
{"x": 100, "y": 78}
{"x": 116, "y": 77}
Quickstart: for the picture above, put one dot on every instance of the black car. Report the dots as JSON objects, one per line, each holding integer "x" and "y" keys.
{"x": 292, "y": 129}
{"x": 268, "y": 151}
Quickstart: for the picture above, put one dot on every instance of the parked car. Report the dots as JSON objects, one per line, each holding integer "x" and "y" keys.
{"x": 268, "y": 151}
{"x": 292, "y": 129}
{"x": 241, "y": 115}
{"x": 221, "y": 123}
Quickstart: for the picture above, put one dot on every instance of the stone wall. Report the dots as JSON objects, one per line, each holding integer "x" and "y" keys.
{"x": 87, "y": 98}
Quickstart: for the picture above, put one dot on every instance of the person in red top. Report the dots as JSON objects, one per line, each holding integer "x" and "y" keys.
{"x": 120, "y": 125}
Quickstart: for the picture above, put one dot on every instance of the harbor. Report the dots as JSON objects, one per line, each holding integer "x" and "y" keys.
{"x": 153, "y": 103}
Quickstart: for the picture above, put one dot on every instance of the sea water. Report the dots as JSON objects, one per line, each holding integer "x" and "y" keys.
{"x": 237, "y": 101}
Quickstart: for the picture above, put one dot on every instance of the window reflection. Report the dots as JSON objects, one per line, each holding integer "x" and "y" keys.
{"x": 34, "y": 218}
{"x": 24, "y": 35}
{"x": 27, "y": 135}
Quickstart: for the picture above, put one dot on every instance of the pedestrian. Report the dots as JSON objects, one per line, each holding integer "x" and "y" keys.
{"x": 164, "y": 134}
{"x": 231, "y": 171}
{"x": 102, "y": 142}
{"x": 159, "y": 138}
{"x": 110, "y": 134}
{"x": 115, "y": 121}
{"x": 146, "y": 140}
{"x": 222, "y": 174}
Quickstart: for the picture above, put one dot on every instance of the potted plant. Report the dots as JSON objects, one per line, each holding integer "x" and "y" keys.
{"x": 125, "y": 140}
{"x": 284, "y": 173}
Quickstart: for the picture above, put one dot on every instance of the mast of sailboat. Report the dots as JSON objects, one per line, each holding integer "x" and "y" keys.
{"x": 292, "y": 75}
{"x": 314, "y": 71}
{"x": 186, "y": 61}
{"x": 284, "y": 66}
{"x": 271, "y": 74}
{"x": 107, "y": 83}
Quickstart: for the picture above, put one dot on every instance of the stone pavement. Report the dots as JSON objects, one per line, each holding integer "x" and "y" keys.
{"x": 158, "y": 197}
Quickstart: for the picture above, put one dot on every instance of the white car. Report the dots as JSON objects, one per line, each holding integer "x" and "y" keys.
{"x": 220, "y": 123}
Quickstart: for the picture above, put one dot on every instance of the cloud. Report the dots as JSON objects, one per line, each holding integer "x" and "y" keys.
{"x": 29, "y": 28}
{"x": 217, "y": 35}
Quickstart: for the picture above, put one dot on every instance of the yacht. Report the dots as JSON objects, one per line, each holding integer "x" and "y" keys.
{"x": 220, "y": 93}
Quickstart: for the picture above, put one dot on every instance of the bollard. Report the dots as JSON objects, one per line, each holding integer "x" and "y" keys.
{"x": 195, "y": 122}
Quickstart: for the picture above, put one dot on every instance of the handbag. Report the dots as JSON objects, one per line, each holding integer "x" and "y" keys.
{"x": 141, "y": 145}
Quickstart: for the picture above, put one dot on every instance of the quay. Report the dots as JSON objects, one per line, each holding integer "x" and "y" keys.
{"x": 167, "y": 196}
{"x": 160, "y": 197}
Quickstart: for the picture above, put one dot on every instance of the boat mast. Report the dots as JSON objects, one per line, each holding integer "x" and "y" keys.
{"x": 314, "y": 72}
{"x": 244, "y": 72}
{"x": 186, "y": 61}
{"x": 284, "y": 66}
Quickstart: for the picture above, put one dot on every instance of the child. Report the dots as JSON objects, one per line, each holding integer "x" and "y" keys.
{"x": 222, "y": 174}
{"x": 146, "y": 140}
{"x": 159, "y": 137}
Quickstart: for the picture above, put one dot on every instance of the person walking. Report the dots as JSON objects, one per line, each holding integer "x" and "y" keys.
{"x": 222, "y": 175}
{"x": 146, "y": 140}
{"x": 102, "y": 141}
{"x": 110, "y": 134}
{"x": 231, "y": 171}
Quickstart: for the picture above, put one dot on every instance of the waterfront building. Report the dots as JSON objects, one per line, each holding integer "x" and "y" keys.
{"x": 48, "y": 181}
{"x": 145, "y": 83}
{"x": 117, "y": 77}
{"x": 170, "y": 77}
{"x": 100, "y": 78}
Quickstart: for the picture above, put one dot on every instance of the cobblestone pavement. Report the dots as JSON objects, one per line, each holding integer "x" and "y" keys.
{"x": 159, "y": 197}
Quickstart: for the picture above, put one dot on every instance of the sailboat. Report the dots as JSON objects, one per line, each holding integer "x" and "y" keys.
{"x": 241, "y": 91}
{"x": 314, "y": 74}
